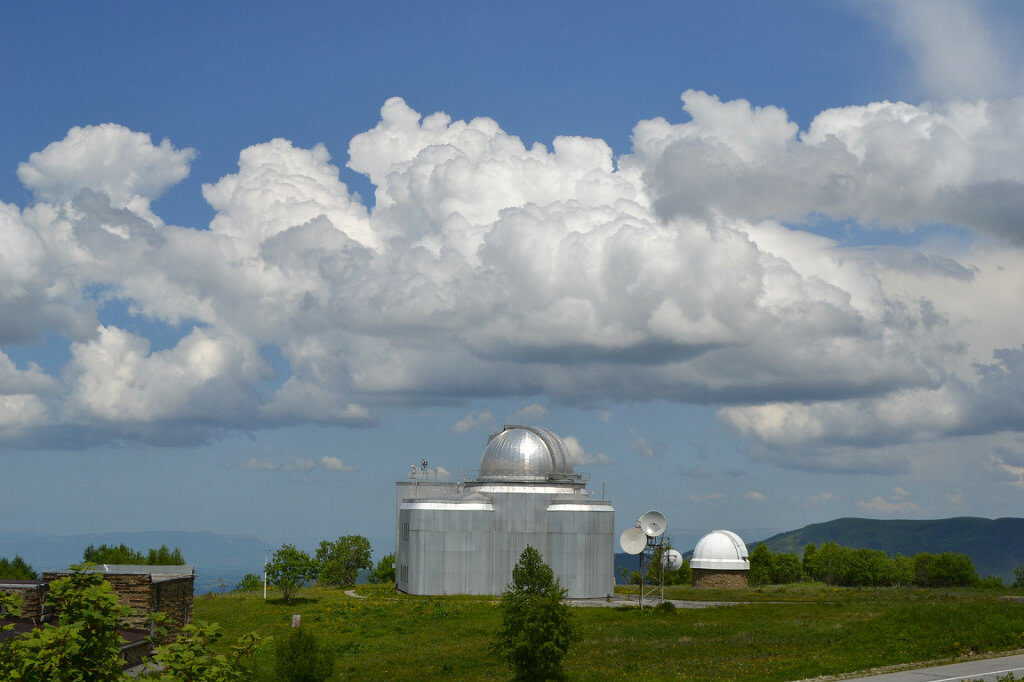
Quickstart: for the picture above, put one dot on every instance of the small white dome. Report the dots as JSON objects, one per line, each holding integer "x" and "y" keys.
{"x": 721, "y": 550}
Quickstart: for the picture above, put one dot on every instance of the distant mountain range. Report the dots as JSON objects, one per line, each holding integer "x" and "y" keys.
{"x": 220, "y": 560}
{"x": 996, "y": 546}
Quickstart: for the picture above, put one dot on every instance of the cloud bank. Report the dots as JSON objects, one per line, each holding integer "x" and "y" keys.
{"x": 687, "y": 270}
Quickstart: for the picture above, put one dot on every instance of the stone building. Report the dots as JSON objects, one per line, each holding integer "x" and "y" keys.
{"x": 148, "y": 589}
{"x": 720, "y": 560}
{"x": 33, "y": 598}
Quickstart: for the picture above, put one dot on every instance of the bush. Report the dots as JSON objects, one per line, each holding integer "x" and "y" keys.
{"x": 191, "y": 657}
{"x": 250, "y": 582}
{"x": 299, "y": 658}
{"x": 537, "y": 627}
{"x": 85, "y": 646}
{"x": 665, "y": 607}
{"x": 385, "y": 570}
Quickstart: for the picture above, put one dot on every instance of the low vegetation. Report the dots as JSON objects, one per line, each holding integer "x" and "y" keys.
{"x": 786, "y": 632}
{"x": 841, "y": 566}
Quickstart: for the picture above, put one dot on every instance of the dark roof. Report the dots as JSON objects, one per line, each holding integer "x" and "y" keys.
{"x": 21, "y": 583}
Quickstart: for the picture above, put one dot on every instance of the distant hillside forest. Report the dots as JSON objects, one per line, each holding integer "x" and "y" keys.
{"x": 996, "y": 546}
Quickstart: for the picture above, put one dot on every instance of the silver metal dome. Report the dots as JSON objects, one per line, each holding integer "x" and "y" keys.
{"x": 525, "y": 453}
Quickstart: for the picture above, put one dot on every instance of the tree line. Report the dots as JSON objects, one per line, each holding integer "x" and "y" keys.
{"x": 840, "y": 566}
{"x": 19, "y": 569}
{"x": 336, "y": 563}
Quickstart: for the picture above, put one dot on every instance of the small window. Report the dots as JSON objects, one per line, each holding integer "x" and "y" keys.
{"x": 405, "y": 532}
{"x": 405, "y": 573}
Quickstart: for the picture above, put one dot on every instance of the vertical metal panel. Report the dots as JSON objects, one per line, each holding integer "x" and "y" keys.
{"x": 456, "y": 551}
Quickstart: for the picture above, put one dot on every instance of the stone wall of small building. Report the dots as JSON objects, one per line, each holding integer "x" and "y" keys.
{"x": 174, "y": 597}
{"x": 723, "y": 580}
{"x": 139, "y": 593}
{"x": 33, "y": 600}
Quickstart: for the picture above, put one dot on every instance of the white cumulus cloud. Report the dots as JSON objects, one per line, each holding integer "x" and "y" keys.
{"x": 335, "y": 464}
{"x": 687, "y": 270}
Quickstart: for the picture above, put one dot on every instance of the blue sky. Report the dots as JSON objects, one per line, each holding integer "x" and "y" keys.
{"x": 759, "y": 262}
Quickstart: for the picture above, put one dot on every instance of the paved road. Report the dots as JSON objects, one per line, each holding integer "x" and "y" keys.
{"x": 989, "y": 669}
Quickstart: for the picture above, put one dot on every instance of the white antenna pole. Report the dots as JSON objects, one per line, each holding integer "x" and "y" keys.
{"x": 266, "y": 560}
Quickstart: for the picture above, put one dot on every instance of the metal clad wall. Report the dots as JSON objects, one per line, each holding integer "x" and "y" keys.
{"x": 468, "y": 550}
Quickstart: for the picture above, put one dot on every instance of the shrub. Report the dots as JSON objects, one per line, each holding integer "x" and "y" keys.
{"x": 385, "y": 570}
{"x": 191, "y": 657}
{"x": 299, "y": 658}
{"x": 250, "y": 582}
{"x": 537, "y": 627}
{"x": 85, "y": 646}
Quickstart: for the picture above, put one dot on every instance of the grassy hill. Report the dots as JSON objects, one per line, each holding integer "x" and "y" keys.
{"x": 995, "y": 545}
{"x": 777, "y": 633}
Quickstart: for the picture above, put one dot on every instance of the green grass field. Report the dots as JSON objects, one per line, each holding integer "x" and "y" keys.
{"x": 785, "y": 633}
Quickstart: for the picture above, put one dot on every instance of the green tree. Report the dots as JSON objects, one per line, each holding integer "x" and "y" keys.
{"x": 760, "y": 565}
{"x": 808, "y": 561}
{"x": 109, "y": 554}
{"x": 341, "y": 560}
{"x": 289, "y": 569}
{"x": 165, "y": 557}
{"x": 1018, "y": 577}
{"x": 902, "y": 568}
{"x": 786, "y": 568}
{"x": 948, "y": 569}
{"x": 16, "y": 569}
{"x": 250, "y": 582}
{"x": 299, "y": 658}
{"x": 537, "y": 626}
{"x": 123, "y": 554}
{"x": 385, "y": 570}
{"x": 85, "y": 646}
{"x": 681, "y": 577}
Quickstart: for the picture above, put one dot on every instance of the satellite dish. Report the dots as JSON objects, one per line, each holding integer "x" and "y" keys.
{"x": 633, "y": 540}
{"x": 653, "y": 523}
{"x": 671, "y": 560}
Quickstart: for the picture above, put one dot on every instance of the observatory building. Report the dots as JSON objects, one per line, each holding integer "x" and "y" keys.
{"x": 720, "y": 560}
{"x": 465, "y": 538}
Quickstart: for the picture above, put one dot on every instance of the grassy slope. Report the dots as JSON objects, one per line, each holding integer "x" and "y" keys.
{"x": 777, "y": 634}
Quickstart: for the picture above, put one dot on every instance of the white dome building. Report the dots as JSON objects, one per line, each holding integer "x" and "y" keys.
{"x": 465, "y": 538}
{"x": 720, "y": 560}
